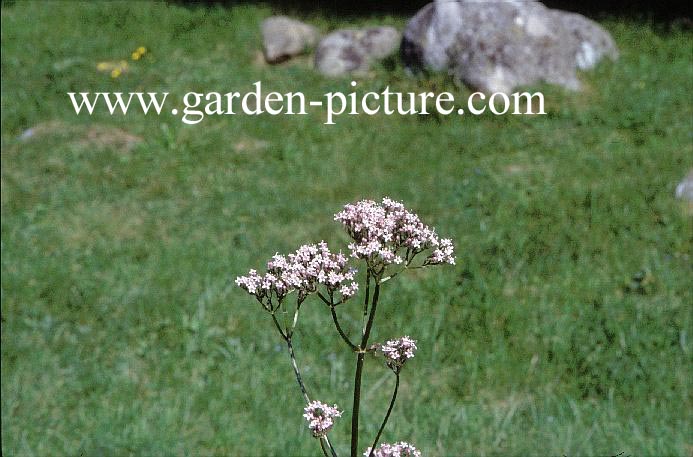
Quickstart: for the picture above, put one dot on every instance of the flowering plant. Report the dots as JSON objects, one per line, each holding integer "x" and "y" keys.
{"x": 387, "y": 238}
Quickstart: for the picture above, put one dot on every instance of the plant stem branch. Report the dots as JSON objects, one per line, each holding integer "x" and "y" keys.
{"x": 387, "y": 416}
{"x": 322, "y": 446}
{"x": 329, "y": 445}
{"x": 366, "y": 299}
{"x": 290, "y": 345}
{"x": 356, "y": 404}
{"x": 279, "y": 327}
{"x": 335, "y": 319}
{"x": 359, "y": 368}
{"x": 371, "y": 315}
{"x": 341, "y": 332}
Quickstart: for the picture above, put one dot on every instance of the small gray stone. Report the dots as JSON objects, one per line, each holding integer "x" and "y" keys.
{"x": 497, "y": 46}
{"x": 352, "y": 51}
{"x": 684, "y": 190}
{"x": 283, "y": 38}
{"x": 380, "y": 42}
{"x": 340, "y": 53}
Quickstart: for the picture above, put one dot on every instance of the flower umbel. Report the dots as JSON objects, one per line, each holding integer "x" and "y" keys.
{"x": 303, "y": 271}
{"x": 398, "y": 351}
{"x": 444, "y": 253}
{"x": 320, "y": 417}
{"x": 401, "y": 449}
{"x": 389, "y": 233}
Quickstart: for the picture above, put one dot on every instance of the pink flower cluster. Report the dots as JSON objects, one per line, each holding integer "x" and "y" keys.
{"x": 310, "y": 266}
{"x": 401, "y": 449}
{"x": 383, "y": 231}
{"x": 320, "y": 417}
{"x": 444, "y": 253}
{"x": 398, "y": 351}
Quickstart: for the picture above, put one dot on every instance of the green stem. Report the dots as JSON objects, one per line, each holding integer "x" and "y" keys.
{"x": 322, "y": 446}
{"x": 341, "y": 332}
{"x": 290, "y": 345}
{"x": 359, "y": 369}
{"x": 279, "y": 327}
{"x": 365, "y": 301}
{"x": 335, "y": 319}
{"x": 296, "y": 372}
{"x": 355, "y": 408}
{"x": 329, "y": 445}
{"x": 387, "y": 416}
{"x": 371, "y": 316}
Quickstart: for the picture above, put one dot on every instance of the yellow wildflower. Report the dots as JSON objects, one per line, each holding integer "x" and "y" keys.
{"x": 138, "y": 53}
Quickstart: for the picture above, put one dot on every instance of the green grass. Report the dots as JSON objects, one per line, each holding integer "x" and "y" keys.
{"x": 565, "y": 329}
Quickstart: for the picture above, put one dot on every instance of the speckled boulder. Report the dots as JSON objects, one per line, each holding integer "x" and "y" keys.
{"x": 498, "y": 46}
{"x": 352, "y": 51}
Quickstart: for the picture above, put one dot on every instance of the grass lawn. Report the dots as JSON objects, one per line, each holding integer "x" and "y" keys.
{"x": 564, "y": 329}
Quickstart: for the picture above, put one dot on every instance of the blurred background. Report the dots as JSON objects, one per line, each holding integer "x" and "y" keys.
{"x": 642, "y": 9}
{"x": 564, "y": 329}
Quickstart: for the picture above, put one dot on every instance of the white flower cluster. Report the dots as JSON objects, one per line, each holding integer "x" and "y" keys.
{"x": 398, "y": 351}
{"x": 310, "y": 266}
{"x": 320, "y": 417}
{"x": 384, "y": 231}
{"x": 401, "y": 449}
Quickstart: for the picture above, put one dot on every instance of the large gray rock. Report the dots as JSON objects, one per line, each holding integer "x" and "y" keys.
{"x": 497, "y": 46}
{"x": 588, "y": 39}
{"x": 352, "y": 51}
{"x": 283, "y": 38}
